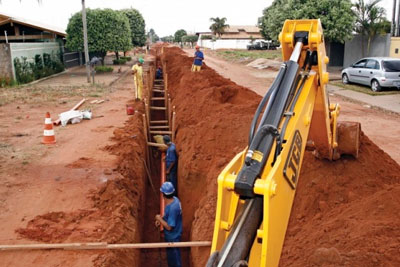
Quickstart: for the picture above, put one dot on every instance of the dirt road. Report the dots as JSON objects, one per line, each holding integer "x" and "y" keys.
{"x": 382, "y": 128}
{"x": 55, "y": 180}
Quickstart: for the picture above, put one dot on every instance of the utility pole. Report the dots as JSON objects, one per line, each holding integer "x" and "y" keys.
{"x": 394, "y": 23}
{"x": 85, "y": 41}
{"x": 397, "y": 19}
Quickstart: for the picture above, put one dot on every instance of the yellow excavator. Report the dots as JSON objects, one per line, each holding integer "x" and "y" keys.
{"x": 256, "y": 189}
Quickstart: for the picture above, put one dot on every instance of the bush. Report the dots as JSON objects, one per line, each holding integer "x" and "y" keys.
{"x": 119, "y": 61}
{"x": 6, "y": 81}
{"x": 126, "y": 58}
{"x": 102, "y": 69}
{"x": 29, "y": 70}
{"x": 206, "y": 37}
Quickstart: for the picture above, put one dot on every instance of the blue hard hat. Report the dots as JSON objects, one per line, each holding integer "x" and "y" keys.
{"x": 167, "y": 188}
{"x": 141, "y": 60}
{"x": 167, "y": 139}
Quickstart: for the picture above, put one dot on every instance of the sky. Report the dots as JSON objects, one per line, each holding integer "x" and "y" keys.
{"x": 164, "y": 16}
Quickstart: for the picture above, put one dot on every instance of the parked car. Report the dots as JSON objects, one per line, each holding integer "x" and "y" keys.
{"x": 262, "y": 45}
{"x": 376, "y": 72}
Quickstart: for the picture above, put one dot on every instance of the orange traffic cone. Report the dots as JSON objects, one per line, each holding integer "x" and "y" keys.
{"x": 48, "y": 133}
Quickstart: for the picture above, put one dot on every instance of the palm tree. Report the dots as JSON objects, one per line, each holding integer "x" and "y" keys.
{"x": 218, "y": 27}
{"x": 370, "y": 20}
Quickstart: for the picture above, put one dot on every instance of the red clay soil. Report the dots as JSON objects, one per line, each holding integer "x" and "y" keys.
{"x": 116, "y": 206}
{"x": 345, "y": 212}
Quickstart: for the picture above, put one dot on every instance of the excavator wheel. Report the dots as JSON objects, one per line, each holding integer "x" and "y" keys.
{"x": 349, "y": 134}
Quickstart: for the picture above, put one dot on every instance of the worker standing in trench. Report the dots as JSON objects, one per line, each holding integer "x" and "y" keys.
{"x": 172, "y": 223}
{"x": 198, "y": 59}
{"x": 171, "y": 162}
{"x": 137, "y": 72}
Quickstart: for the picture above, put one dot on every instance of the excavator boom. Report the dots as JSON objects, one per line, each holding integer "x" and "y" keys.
{"x": 257, "y": 188}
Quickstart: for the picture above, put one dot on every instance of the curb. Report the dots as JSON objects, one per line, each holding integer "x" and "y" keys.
{"x": 352, "y": 100}
{"x": 44, "y": 78}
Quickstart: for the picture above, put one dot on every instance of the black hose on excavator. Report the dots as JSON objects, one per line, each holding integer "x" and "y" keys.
{"x": 266, "y": 98}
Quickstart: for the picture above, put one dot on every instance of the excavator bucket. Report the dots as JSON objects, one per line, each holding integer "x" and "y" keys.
{"x": 349, "y": 133}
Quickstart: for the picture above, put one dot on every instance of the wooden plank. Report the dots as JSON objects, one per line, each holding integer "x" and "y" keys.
{"x": 145, "y": 125}
{"x": 161, "y": 121}
{"x": 158, "y": 98}
{"x": 147, "y": 110}
{"x": 104, "y": 245}
{"x": 159, "y": 127}
{"x": 169, "y": 113}
{"x": 27, "y": 37}
{"x": 157, "y": 145}
{"x": 158, "y": 91}
{"x": 158, "y": 108}
{"x": 79, "y": 104}
{"x": 160, "y": 132}
{"x": 173, "y": 126}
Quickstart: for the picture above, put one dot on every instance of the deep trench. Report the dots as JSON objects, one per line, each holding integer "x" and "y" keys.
{"x": 150, "y": 234}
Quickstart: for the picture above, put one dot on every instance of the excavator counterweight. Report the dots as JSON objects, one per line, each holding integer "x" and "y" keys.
{"x": 256, "y": 189}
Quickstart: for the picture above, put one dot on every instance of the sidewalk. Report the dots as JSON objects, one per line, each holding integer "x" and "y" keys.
{"x": 389, "y": 103}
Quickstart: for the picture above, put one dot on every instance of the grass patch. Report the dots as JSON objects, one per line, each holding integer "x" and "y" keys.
{"x": 102, "y": 69}
{"x": 119, "y": 61}
{"x": 247, "y": 56}
{"x": 37, "y": 94}
{"x": 364, "y": 89}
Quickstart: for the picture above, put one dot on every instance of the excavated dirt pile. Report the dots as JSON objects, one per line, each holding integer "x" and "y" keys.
{"x": 213, "y": 117}
{"x": 117, "y": 209}
{"x": 345, "y": 212}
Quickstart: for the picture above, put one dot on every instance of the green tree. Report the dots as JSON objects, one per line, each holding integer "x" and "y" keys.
{"x": 178, "y": 35}
{"x": 137, "y": 25}
{"x": 218, "y": 26}
{"x": 168, "y": 39}
{"x": 370, "y": 21}
{"x": 108, "y": 30}
{"x": 190, "y": 39}
{"x": 336, "y": 16}
{"x": 152, "y": 34}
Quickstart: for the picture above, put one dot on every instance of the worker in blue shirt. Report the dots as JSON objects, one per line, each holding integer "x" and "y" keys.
{"x": 159, "y": 73}
{"x": 198, "y": 59}
{"x": 172, "y": 223}
{"x": 171, "y": 162}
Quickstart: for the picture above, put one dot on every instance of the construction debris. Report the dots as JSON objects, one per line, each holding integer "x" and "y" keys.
{"x": 80, "y": 103}
{"x": 263, "y": 63}
{"x": 74, "y": 116}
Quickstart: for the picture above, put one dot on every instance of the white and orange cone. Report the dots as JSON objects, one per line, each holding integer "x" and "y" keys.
{"x": 48, "y": 133}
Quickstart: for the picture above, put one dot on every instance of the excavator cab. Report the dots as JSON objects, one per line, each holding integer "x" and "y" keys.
{"x": 256, "y": 189}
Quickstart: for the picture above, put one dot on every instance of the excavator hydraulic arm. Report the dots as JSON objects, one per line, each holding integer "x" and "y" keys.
{"x": 257, "y": 188}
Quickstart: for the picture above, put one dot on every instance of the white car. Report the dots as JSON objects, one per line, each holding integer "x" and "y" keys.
{"x": 376, "y": 72}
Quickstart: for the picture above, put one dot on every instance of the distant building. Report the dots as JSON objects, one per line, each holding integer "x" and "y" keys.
{"x": 14, "y": 29}
{"x": 234, "y": 37}
{"x": 22, "y": 38}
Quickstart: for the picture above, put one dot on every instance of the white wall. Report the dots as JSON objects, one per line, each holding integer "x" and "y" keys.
{"x": 29, "y": 50}
{"x": 227, "y": 44}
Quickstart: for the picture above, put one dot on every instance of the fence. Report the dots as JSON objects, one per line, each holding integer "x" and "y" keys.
{"x": 29, "y": 50}
{"x": 226, "y": 43}
{"x": 380, "y": 47}
{"x": 73, "y": 58}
